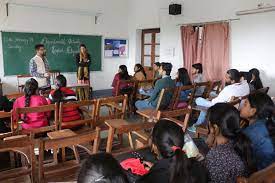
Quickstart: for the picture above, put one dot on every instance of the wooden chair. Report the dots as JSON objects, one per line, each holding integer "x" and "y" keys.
{"x": 183, "y": 104}
{"x": 216, "y": 87}
{"x": 24, "y": 146}
{"x": 120, "y": 127}
{"x": 87, "y": 108}
{"x": 116, "y": 108}
{"x": 266, "y": 175}
{"x": 207, "y": 89}
{"x": 16, "y": 122}
{"x": 152, "y": 114}
{"x": 54, "y": 74}
{"x": 22, "y": 78}
{"x": 131, "y": 94}
{"x": 48, "y": 171}
{"x": 5, "y": 115}
{"x": 14, "y": 96}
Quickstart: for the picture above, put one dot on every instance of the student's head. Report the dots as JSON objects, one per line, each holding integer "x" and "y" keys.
{"x": 156, "y": 66}
{"x": 165, "y": 69}
{"x": 232, "y": 76}
{"x": 83, "y": 48}
{"x": 255, "y": 77}
{"x": 139, "y": 68}
{"x": 183, "y": 76}
{"x": 30, "y": 88}
{"x": 101, "y": 168}
{"x": 168, "y": 138}
{"x": 245, "y": 76}
{"x": 224, "y": 121}
{"x": 60, "y": 81}
{"x": 257, "y": 106}
{"x": 197, "y": 68}
{"x": 40, "y": 50}
{"x": 123, "y": 72}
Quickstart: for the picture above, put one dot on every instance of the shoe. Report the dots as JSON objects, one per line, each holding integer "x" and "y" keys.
{"x": 192, "y": 129}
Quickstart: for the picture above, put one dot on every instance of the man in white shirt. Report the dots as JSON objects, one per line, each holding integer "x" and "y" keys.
{"x": 39, "y": 66}
{"x": 234, "y": 88}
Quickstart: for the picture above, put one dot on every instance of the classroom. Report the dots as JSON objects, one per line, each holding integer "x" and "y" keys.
{"x": 120, "y": 91}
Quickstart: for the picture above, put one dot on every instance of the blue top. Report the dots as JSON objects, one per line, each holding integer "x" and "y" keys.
{"x": 262, "y": 144}
{"x": 183, "y": 94}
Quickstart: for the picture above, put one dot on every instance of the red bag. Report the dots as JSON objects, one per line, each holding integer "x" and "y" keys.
{"x": 134, "y": 165}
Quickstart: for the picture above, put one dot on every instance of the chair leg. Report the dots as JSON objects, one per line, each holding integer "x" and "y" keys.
{"x": 110, "y": 140}
{"x": 76, "y": 154}
{"x": 63, "y": 154}
{"x": 131, "y": 140}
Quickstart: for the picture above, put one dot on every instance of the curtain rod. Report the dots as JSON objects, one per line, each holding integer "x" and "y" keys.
{"x": 203, "y": 23}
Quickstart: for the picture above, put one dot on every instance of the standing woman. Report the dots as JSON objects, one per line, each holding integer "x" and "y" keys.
{"x": 83, "y": 62}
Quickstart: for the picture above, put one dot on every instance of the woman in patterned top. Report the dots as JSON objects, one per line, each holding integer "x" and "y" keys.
{"x": 229, "y": 156}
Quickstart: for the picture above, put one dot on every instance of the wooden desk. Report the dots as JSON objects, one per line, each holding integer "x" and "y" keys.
{"x": 81, "y": 86}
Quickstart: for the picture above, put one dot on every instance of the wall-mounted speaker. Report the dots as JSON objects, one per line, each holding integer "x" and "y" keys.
{"x": 174, "y": 9}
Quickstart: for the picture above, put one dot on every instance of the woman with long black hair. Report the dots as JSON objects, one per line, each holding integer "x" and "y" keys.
{"x": 121, "y": 76}
{"x": 255, "y": 81}
{"x": 183, "y": 79}
{"x": 230, "y": 155}
{"x": 83, "y": 62}
{"x": 32, "y": 99}
{"x": 173, "y": 165}
{"x": 258, "y": 109}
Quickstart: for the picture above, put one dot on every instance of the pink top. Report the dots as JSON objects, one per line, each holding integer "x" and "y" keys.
{"x": 115, "y": 83}
{"x": 32, "y": 120}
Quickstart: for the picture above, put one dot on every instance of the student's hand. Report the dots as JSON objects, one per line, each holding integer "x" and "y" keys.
{"x": 148, "y": 165}
{"x": 47, "y": 75}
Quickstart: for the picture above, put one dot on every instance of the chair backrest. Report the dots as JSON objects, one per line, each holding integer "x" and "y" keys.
{"x": 88, "y": 109}
{"x": 16, "y": 122}
{"x": 116, "y": 108}
{"x": 145, "y": 82}
{"x": 22, "y": 78}
{"x": 166, "y": 93}
{"x": 206, "y": 89}
{"x": 14, "y": 95}
{"x": 80, "y": 140}
{"x": 54, "y": 73}
{"x": 262, "y": 90}
{"x": 174, "y": 114}
{"x": 4, "y": 115}
{"x": 181, "y": 89}
{"x": 216, "y": 86}
{"x": 24, "y": 146}
{"x": 266, "y": 175}
{"x": 130, "y": 83}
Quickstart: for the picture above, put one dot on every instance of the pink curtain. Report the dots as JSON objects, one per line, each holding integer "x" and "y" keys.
{"x": 215, "y": 51}
{"x": 189, "y": 37}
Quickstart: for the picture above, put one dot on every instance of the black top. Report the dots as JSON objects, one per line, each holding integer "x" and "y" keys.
{"x": 5, "y": 105}
{"x": 81, "y": 63}
{"x": 160, "y": 172}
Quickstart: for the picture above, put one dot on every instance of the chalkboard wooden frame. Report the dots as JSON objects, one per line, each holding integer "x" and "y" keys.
{"x": 61, "y": 40}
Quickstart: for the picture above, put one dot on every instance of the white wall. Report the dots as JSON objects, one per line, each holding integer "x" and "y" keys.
{"x": 154, "y": 13}
{"x": 113, "y": 23}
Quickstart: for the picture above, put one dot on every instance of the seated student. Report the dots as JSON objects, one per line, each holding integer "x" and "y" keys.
{"x": 120, "y": 76}
{"x": 32, "y": 99}
{"x": 246, "y": 77}
{"x": 197, "y": 73}
{"x": 64, "y": 94}
{"x": 234, "y": 88}
{"x": 156, "y": 68}
{"x": 100, "y": 168}
{"x": 230, "y": 153}
{"x": 6, "y": 106}
{"x": 255, "y": 79}
{"x": 165, "y": 82}
{"x": 258, "y": 110}
{"x": 183, "y": 79}
{"x": 173, "y": 165}
{"x": 140, "y": 74}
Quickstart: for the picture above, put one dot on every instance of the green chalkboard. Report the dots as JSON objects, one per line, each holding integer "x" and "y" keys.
{"x": 18, "y": 49}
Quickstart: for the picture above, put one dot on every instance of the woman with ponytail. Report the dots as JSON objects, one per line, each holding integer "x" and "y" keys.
{"x": 64, "y": 94}
{"x": 230, "y": 151}
{"x": 173, "y": 165}
{"x": 32, "y": 99}
{"x": 258, "y": 109}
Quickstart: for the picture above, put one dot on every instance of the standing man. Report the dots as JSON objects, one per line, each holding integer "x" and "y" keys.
{"x": 39, "y": 66}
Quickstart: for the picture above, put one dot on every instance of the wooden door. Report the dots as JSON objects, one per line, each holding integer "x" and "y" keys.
{"x": 150, "y": 50}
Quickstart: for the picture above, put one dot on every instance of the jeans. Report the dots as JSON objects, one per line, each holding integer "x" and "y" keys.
{"x": 144, "y": 104}
{"x": 202, "y": 102}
